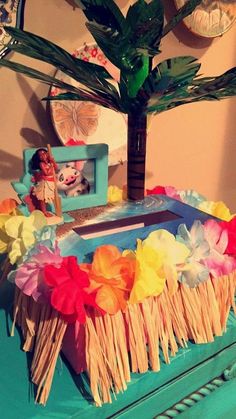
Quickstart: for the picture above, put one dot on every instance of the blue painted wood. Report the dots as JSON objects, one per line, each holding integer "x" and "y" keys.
{"x": 166, "y": 396}
{"x": 75, "y": 245}
{"x": 221, "y": 404}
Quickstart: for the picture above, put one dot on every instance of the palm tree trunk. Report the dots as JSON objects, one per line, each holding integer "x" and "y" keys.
{"x": 137, "y": 136}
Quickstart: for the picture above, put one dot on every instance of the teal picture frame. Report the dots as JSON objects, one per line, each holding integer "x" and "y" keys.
{"x": 97, "y": 153}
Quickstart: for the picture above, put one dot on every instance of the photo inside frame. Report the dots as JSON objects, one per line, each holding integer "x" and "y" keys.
{"x": 75, "y": 178}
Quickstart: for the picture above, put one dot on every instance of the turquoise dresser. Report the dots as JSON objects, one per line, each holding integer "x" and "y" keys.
{"x": 199, "y": 382}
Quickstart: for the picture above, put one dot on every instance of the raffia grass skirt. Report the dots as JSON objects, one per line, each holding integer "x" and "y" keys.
{"x": 110, "y": 347}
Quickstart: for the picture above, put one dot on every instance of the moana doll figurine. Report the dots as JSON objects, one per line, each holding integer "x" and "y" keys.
{"x": 43, "y": 167}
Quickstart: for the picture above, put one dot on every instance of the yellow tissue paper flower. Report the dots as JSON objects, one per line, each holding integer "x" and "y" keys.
{"x": 218, "y": 209}
{"x": 4, "y": 239}
{"x": 174, "y": 254}
{"x": 115, "y": 195}
{"x": 149, "y": 277}
{"x": 20, "y": 233}
{"x": 16, "y": 251}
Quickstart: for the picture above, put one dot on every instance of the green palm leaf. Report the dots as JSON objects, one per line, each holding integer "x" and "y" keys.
{"x": 91, "y": 97}
{"x": 80, "y": 76}
{"x": 110, "y": 31}
{"x": 38, "y": 75}
{"x": 128, "y": 43}
{"x": 216, "y": 88}
{"x": 125, "y": 40}
{"x": 86, "y": 93}
{"x": 168, "y": 76}
{"x": 83, "y": 72}
{"x": 217, "y": 85}
{"x": 92, "y": 76}
{"x": 51, "y": 53}
{"x": 104, "y": 12}
{"x": 116, "y": 47}
{"x": 146, "y": 21}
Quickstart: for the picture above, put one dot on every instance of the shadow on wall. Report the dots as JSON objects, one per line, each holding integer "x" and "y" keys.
{"x": 117, "y": 175}
{"x": 10, "y": 166}
{"x": 41, "y": 112}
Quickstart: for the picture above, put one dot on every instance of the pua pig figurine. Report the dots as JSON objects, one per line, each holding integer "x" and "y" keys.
{"x": 72, "y": 181}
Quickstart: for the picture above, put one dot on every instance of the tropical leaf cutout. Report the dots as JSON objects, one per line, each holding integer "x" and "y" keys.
{"x": 81, "y": 71}
{"x": 215, "y": 88}
{"x": 38, "y": 75}
{"x": 146, "y": 21}
{"x": 104, "y": 101}
{"x": 130, "y": 44}
{"x": 30, "y": 44}
{"x": 116, "y": 47}
{"x": 111, "y": 32}
{"x": 103, "y": 12}
{"x": 169, "y": 76}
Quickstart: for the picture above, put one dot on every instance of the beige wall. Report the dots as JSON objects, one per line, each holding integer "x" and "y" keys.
{"x": 193, "y": 146}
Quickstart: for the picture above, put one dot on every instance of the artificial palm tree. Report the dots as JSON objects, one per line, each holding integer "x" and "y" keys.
{"x": 130, "y": 43}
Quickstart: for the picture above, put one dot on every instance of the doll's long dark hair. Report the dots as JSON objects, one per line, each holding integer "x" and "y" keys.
{"x": 35, "y": 159}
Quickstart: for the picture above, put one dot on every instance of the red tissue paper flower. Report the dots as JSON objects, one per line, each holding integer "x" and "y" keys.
{"x": 157, "y": 190}
{"x": 72, "y": 141}
{"x": 230, "y": 226}
{"x": 170, "y": 191}
{"x": 68, "y": 283}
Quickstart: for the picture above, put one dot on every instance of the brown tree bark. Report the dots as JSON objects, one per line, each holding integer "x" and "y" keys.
{"x": 137, "y": 136}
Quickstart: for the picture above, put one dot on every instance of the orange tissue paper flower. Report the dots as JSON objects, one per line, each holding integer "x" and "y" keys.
{"x": 8, "y": 206}
{"x": 112, "y": 276}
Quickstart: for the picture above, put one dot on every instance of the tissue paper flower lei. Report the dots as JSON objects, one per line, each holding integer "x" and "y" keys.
{"x": 114, "y": 279}
{"x": 218, "y": 209}
{"x": 193, "y": 198}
